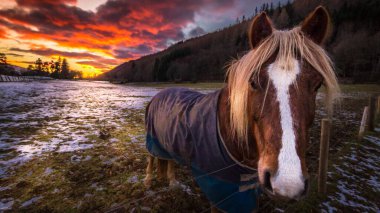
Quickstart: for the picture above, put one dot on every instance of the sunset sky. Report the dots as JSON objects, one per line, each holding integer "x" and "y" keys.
{"x": 97, "y": 35}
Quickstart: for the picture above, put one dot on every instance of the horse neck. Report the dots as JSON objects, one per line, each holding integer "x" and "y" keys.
{"x": 240, "y": 150}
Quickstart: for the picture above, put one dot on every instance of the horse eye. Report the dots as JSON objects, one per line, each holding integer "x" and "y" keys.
{"x": 254, "y": 84}
{"x": 318, "y": 86}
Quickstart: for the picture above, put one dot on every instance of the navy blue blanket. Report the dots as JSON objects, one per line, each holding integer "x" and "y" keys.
{"x": 182, "y": 125}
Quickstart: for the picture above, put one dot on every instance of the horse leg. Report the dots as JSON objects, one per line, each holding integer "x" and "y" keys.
{"x": 162, "y": 166}
{"x": 171, "y": 174}
{"x": 149, "y": 172}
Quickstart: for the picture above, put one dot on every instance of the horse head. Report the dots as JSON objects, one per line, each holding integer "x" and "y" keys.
{"x": 272, "y": 96}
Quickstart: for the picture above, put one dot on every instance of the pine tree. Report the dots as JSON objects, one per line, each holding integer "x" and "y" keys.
{"x": 45, "y": 67}
{"x": 3, "y": 58}
{"x": 39, "y": 65}
{"x": 271, "y": 9}
{"x": 262, "y": 8}
{"x": 51, "y": 66}
{"x": 30, "y": 68}
{"x": 65, "y": 69}
{"x": 283, "y": 19}
{"x": 156, "y": 68}
{"x": 56, "y": 68}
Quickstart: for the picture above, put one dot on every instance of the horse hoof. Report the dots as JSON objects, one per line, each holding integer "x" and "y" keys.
{"x": 148, "y": 182}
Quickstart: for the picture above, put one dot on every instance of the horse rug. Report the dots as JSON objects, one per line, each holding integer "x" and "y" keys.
{"x": 182, "y": 125}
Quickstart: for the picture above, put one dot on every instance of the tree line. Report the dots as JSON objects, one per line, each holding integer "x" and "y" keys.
{"x": 59, "y": 69}
{"x": 354, "y": 45}
{"x": 5, "y": 69}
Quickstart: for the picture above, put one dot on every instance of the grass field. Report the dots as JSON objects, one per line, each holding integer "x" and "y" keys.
{"x": 79, "y": 147}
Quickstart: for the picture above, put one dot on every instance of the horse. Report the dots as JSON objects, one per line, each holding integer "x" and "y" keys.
{"x": 251, "y": 135}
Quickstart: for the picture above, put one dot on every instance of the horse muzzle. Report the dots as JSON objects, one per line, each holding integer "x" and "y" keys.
{"x": 284, "y": 190}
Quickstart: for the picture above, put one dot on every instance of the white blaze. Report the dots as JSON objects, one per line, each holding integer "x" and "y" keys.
{"x": 288, "y": 181}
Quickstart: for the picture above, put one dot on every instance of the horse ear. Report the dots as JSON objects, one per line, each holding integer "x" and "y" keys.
{"x": 260, "y": 29}
{"x": 316, "y": 25}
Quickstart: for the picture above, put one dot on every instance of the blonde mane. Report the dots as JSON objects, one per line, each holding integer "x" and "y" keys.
{"x": 287, "y": 43}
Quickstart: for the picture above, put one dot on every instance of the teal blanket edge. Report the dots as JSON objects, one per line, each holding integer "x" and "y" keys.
{"x": 214, "y": 188}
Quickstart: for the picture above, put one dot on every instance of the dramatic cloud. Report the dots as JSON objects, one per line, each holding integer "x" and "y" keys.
{"x": 116, "y": 31}
{"x": 51, "y": 52}
{"x": 197, "y": 32}
{"x": 14, "y": 54}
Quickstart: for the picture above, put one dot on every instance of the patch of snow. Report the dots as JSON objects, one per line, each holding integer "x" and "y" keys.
{"x": 114, "y": 140}
{"x": 372, "y": 139}
{"x": 374, "y": 182}
{"x": 88, "y": 195}
{"x": 110, "y": 161}
{"x": 74, "y": 147}
{"x": 68, "y": 111}
{"x": 96, "y": 187}
{"x": 4, "y": 188}
{"x": 6, "y": 204}
{"x": 133, "y": 179}
{"x": 48, "y": 171}
{"x": 362, "y": 159}
{"x": 134, "y": 140}
{"x": 30, "y": 201}
{"x": 329, "y": 208}
{"x": 87, "y": 158}
{"x": 145, "y": 209}
{"x": 186, "y": 189}
{"x": 150, "y": 193}
{"x": 75, "y": 158}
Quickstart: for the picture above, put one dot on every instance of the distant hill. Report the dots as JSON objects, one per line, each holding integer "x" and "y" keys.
{"x": 19, "y": 70}
{"x": 8, "y": 69}
{"x": 354, "y": 46}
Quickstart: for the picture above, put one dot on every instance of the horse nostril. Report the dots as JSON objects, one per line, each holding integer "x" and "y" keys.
{"x": 267, "y": 183}
{"x": 306, "y": 188}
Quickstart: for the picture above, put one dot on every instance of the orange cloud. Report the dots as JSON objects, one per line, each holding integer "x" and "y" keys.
{"x": 119, "y": 30}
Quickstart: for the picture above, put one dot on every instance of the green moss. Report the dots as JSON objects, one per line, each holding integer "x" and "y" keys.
{"x": 370, "y": 88}
{"x": 44, "y": 137}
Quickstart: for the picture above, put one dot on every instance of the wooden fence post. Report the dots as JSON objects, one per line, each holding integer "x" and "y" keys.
{"x": 323, "y": 155}
{"x": 371, "y": 113}
{"x": 378, "y": 106}
{"x": 363, "y": 124}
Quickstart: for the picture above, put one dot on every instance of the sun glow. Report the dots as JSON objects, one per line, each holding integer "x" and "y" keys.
{"x": 95, "y": 36}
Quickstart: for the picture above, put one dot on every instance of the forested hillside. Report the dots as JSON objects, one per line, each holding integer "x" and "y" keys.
{"x": 354, "y": 45}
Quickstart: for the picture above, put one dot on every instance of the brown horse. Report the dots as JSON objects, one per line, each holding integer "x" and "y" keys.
{"x": 263, "y": 115}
